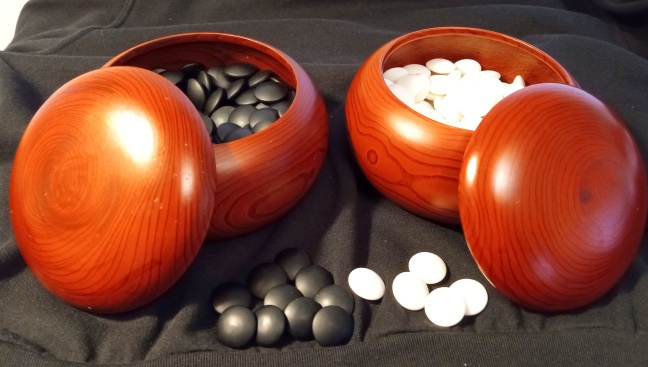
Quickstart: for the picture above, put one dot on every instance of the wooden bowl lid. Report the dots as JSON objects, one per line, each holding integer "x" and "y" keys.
{"x": 552, "y": 197}
{"x": 112, "y": 189}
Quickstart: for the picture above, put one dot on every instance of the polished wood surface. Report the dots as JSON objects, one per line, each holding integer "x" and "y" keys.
{"x": 261, "y": 177}
{"x": 112, "y": 188}
{"x": 553, "y": 197}
{"x": 413, "y": 160}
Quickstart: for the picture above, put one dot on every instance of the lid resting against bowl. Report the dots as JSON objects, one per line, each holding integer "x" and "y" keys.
{"x": 552, "y": 197}
{"x": 112, "y": 189}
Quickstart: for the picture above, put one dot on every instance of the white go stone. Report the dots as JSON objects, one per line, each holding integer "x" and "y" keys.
{"x": 455, "y": 75}
{"x": 410, "y": 291}
{"x": 445, "y": 307}
{"x": 473, "y": 293}
{"x": 418, "y": 85}
{"x": 428, "y": 266}
{"x": 366, "y": 284}
{"x": 421, "y": 106}
{"x": 491, "y": 74}
{"x": 434, "y": 115}
{"x": 416, "y": 69}
{"x": 403, "y": 93}
{"x": 510, "y": 89}
{"x": 519, "y": 81}
{"x": 388, "y": 82}
{"x": 394, "y": 73}
{"x": 478, "y": 94}
{"x": 440, "y": 66}
{"x": 470, "y": 122}
{"x": 468, "y": 66}
{"x": 441, "y": 84}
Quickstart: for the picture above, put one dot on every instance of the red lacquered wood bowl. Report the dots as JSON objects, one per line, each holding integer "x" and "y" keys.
{"x": 409, "y": 158}
{"x": 112, "y": 189}
{"x": 552, "y": 197}
{"x": 263, "y": 176}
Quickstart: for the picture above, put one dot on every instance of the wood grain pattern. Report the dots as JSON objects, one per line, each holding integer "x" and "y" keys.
{"x": 112, "y": 188}
{"x": 413, "y": 160}
{"x": 553, "y": 198}
{"x": 261, "y": 177}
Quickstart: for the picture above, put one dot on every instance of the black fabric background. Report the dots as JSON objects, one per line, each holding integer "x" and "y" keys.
{"x": 343, "y": 223}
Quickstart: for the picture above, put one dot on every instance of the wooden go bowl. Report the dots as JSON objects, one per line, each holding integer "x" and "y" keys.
{"x": 411, "y": 159}
{"x": 114, "y": 184}
{"x": 263, "y": 176}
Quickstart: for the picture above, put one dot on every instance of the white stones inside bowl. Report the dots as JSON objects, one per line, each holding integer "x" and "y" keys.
{"x": 457, "y": 93}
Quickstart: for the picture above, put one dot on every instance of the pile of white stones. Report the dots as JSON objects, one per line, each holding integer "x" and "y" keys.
{"x": 444, "y": 306}
{"x": 458, "y": 93}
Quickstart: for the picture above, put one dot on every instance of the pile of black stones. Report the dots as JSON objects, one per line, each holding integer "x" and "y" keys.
{"x": 283, "y": 299}
{"x": 235, "y": 100}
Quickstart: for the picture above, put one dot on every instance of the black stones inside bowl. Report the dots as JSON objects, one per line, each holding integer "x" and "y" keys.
{"x": 259, "y": 77}
{"x": 214, "y": 101}
{"x": 220, "y": 90}
{"x": 270, "y": 91}
{"x": 240, "y": 70}
{"x": 222, "y": 114}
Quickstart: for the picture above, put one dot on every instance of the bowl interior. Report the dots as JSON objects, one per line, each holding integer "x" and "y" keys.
{"x": 494, "y": 51}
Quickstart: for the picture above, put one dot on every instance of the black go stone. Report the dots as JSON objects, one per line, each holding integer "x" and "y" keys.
{"x": 230, "y": 294}
{"x": 264, "y": 277}
{"x": 241, "y": 115}
{"x": 263, "y": 114}
{"x": 175, "y": 77}
{"x": 208, "y": 122}
{"x": 214, "y": 101}
{"x": 270, "y": 91}
{"x": 235, "y": 89}
{"x": 336, "y": 295}
{"x": 196, "y": 93}
{"x": 222, "y": 114}
{"x": 204, "y": 79}
{"x": 300, "y": 313}
{"x": 219, "y": 78}
{"x": 281, "y": 107}
{"x": 261, "y": 126}
{"x": 224, "y": 129}
{"x": 191, "y": 70}
{"x": 246, "y": 98}
{"x": 240, "y": 133}
{"x": 311, "y": 279}
{"x": 281, "y": 295}
{"x": 332, "y": 326}
{"x": 236, "y": 326}
{"x": 240, "y": 70}
{"x": 271, "y": 325}
{"x": 292, "y": 260}
{"x": 259, "y": 77}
